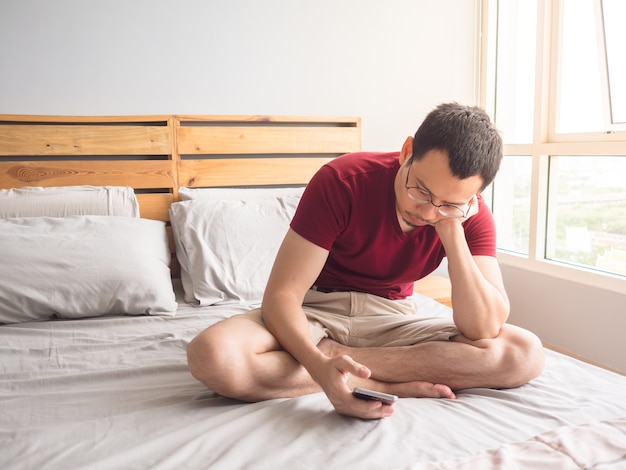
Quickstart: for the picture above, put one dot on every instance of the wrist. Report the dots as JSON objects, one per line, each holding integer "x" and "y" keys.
{"x": 315, "y": 363}
{"x": 449, "y": 227}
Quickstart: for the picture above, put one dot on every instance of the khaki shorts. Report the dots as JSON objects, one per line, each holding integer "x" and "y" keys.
{"x": 365, "y": 320}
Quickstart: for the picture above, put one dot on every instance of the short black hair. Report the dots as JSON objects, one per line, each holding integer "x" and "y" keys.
{"x": 466, "y": 134}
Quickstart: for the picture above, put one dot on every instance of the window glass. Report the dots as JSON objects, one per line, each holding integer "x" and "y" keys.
{"x": 587, "y": 212}
{"x": 511, "y": 203}
{"x": 614, "y": 13}
{"x": 515, "y": 69}
{"x": 579, "y": 84}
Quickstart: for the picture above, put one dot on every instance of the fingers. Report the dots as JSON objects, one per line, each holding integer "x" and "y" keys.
{"x": 348, "y": 365}
{"x": 376, "y": 410}
{"x": 364, "y": 409}
{"x": 341, "y": 396}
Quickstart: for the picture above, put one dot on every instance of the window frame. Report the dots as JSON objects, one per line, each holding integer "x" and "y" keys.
{"x": 545, "y": 142}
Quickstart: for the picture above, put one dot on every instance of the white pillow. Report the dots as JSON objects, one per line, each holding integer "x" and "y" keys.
{"x": 242, "y": 194}
{"x": 226, "y": 248}
{"x": 63, "y": 201}
{"x": 83, "y": 266}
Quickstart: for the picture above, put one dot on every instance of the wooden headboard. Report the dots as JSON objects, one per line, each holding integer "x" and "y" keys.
{"x": 156, "y": 155}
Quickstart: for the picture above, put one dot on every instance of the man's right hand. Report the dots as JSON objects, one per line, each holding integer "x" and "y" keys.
{"x": 333, "y": 374}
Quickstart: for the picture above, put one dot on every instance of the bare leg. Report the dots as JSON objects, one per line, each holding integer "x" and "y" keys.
{"x": 510, "y": 360}
{"x": 239, "y": 358}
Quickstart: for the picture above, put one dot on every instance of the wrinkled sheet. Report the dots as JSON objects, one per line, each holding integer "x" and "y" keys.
{"x": 115, "y": 392}
{"x": 593, "y": 445}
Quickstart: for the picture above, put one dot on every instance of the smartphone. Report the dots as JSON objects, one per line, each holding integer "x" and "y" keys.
{"x": 365, "y": 394}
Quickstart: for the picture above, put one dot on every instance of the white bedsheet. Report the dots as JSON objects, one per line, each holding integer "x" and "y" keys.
{"x": 115, "y": 392}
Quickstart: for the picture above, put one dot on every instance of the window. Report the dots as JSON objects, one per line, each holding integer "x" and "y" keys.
{"x": 579, "y": 87}
{"x": 587, "y": 212}
{"x": 511, "y": 201}
{"x": 554, "y": 80}
{"x": 515, "y": 69}
{"x": 591, "y": 79}
{"x": 613, "y": 14}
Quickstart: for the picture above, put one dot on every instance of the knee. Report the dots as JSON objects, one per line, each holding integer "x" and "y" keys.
{"x": 201, "y": 356}
{"x": 522, "y": 358}
{"x": 213, "y": 359}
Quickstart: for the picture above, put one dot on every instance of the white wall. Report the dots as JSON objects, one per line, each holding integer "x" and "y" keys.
{"x": 388, "y": 62}
{"x": 584, "y": 320}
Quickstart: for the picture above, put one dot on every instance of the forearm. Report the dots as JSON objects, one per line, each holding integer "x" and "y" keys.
{"x": 297, "y": 265}
{"x": 285, "y": 319}
{"x": 480, "y": 305}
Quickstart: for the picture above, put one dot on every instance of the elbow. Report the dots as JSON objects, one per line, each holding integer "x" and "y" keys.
{"x": 475, "y": 332}
{"x": 486, "y": 328}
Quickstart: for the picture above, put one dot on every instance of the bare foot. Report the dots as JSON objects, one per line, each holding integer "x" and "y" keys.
{"x": 416, "y": 389}
{"x": 419, "y": 389}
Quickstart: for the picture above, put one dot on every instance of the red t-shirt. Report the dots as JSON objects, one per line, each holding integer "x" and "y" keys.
{"x": 349, "y": 208}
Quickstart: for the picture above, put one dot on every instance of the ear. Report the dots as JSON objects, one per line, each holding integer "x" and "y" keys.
{"x": 407, "y": 150}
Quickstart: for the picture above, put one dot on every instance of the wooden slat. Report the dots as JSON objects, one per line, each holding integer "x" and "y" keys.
{"x": 248, "y": 171}
{"x": 155, "y": 206}
{"x": 67, "y": 119}
{"x": 348, "y": 121}
{"x": 134, "y": 173}
{"x": 70, "y": 139}
{"x": 234, "y": 139}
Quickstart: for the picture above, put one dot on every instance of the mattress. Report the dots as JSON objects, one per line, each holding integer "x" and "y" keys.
{"x": 115, "y": 392}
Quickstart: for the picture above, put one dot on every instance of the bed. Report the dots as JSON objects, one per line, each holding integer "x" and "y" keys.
{"x": 121, "y": 238}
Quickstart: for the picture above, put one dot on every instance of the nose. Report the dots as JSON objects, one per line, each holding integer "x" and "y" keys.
{"x": 429, "y": 211}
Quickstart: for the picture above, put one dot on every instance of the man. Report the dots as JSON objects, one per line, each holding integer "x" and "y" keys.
{"x": 335, "y": 314}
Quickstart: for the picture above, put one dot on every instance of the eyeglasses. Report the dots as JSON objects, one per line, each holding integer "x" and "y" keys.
{"x": 422, "y": 196}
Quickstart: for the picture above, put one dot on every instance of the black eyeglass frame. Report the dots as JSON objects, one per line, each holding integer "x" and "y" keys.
{"x": 457, "y": 212}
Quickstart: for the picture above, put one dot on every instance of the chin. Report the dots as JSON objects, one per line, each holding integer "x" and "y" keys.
{"x": 412, "y": 221}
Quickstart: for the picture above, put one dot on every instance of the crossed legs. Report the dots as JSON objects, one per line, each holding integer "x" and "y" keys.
{"x": 240, "y": 359}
